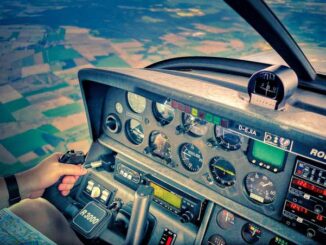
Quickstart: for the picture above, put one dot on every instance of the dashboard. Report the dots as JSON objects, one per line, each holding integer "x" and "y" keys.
{"x": 226, "y": 166}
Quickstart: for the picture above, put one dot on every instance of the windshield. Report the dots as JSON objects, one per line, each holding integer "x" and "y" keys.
{"x": 305, "y": 20}
{"x": 45, "y": 43}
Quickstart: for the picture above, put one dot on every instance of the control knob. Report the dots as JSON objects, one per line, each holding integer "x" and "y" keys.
{"x": 187, "y": 216}
{"x": 96, "y": 192}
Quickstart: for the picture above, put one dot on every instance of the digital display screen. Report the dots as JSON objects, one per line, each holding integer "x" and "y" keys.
{"x": 166, "y": 196}
{"x": 309, "y": 188}
{"x": 268, "y": 154}
{"x": 306, "y": 214}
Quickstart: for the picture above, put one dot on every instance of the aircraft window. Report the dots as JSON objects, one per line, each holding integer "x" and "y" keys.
{"x": 310, "y": 17}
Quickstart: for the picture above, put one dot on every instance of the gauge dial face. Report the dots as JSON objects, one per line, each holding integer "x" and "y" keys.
{"x": 194, "y": 125}
{"x": 222, "y": 171}
{"x": 216, "y": 240}
{"x": 225, "y": 219}
{"x": 164, "y": 113}
{"x": 136, "y": 102}
{"x": 251, "y": 233}
{"x": 267, "y": 85}
{"x": 159, "y": 145}
{"x": 191, "y": 157}
{"x": 260, "y": 188}
{"x": 228, "y": 140}
{"x": 135, "y": 131}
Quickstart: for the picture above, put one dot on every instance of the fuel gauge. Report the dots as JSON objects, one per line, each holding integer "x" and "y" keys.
{"x": 251, "y": 233}
{"x": 225, "y": 219}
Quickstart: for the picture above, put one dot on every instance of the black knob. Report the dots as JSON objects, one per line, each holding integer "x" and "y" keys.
{"x": 186, "y": 217}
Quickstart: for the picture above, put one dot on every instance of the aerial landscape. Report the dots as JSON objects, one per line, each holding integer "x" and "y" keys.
{"x": 43, "y": 45}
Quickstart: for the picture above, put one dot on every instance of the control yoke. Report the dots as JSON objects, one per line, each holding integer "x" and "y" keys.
{"x": 52, "y": 193}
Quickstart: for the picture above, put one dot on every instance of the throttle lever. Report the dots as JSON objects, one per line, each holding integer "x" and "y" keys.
{"x": 53, "y": 195}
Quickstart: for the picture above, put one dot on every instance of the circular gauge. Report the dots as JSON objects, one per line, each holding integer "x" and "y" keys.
{"x": 135, "y": 131}
{"x": 164, "y": 113}
{"x": 216, "y": 240}
{"x": 136, "y": 102}
{"x": 119, "y": 107}
{"x": 191, "y": 157}
{"x": 228, "y": 140}
{"x": 251, "y": 233}
{"x": 222, "y": 171}
{"x": 225, "y": 219}
{"x": 194, "y": 125}
{"x": 159, "y": 145}
{"x": 260, "y": 188}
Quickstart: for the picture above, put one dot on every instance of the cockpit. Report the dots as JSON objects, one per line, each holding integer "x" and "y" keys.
{"x": 204, "y": 150}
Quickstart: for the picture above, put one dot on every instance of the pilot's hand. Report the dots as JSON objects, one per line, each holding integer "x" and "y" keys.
{"x": 33, "y": 182}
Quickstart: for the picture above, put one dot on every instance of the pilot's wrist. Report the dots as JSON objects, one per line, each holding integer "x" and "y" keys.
{"x": 23, "y": 184}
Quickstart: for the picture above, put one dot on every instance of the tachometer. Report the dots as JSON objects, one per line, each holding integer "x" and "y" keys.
{"x": 134, "y": 131}
{"x": 136, "y": 102}
{"x": 260, "y": 188}
{"x": 194, "y": 125}
{"x": 191, "y": 157}
{"x": 164, "y": 113}
{"x": 228, "y": 140}
{"x": 222, "y": 171}
{"x": 159, "y": 145}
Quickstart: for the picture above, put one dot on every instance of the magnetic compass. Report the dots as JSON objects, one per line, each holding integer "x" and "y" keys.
{"x": 271, "y": 87}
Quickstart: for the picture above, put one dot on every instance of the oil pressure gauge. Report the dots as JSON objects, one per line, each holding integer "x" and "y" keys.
{"x": 271, "y": 87}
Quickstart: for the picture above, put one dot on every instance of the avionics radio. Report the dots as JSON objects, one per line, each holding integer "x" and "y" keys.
{"x": 304, "y": 208}
{"x": 189, "y": 208}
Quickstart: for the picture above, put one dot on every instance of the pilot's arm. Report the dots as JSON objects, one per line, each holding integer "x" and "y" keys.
{"x": 33, "y": 182}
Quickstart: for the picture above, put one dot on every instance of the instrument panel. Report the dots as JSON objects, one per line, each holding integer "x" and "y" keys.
{"x": 211, "y": 153}
{"x": 216, "y": 145}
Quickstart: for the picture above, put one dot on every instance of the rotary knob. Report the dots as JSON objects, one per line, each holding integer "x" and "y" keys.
{"x": 187, "y": 216}
{"x": 96, "y": 192}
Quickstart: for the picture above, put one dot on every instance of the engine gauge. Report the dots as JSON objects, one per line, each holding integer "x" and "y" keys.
{"x": 251, "y": 233}
{"x": 191, "y": 157}
{"x": 225, "y": 219}
{"x": 159, "y": 145}
{"x": 194, "y": 125}
{"x": 260, "y": 188}
{"x": 222, "y": 171}
{"x": 216, "y": 240}
{"x": 135, "y": 131}
{"x": 136, "y": 102}
{"x": 228, "y": 140}
{"x": 164, "y": 113}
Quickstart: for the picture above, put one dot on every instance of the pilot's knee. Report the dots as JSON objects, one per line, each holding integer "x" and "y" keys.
{"x": 37, "y": 210}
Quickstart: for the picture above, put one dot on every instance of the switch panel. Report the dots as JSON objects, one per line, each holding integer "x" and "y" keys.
{"x": 97, "y": 192}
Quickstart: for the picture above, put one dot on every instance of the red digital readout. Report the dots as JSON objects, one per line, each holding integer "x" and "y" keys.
{"x": 308, "y": 186}
{"x": 306, "y": 214}
{"x": 296, "y": 207}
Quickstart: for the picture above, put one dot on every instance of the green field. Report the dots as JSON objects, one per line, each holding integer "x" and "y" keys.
{"x": 18, "y": 104}
{"x": 58, "y": 53}
{"x": 5, "y": 114}
{"x": 25, "y": 142}
{"x": 110, "y": 61}
{"x": 63, "y": 111}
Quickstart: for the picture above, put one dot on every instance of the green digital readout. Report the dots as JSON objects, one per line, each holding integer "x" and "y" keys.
{"x": 166, "y": 196}
{"x": 268, "y": 154}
